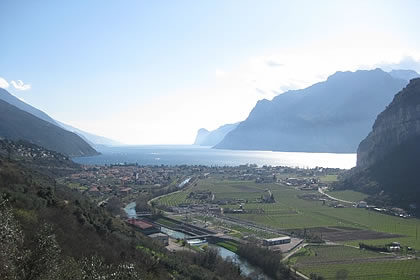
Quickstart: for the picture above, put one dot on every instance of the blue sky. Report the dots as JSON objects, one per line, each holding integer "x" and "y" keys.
{"x": 154, "y": 72}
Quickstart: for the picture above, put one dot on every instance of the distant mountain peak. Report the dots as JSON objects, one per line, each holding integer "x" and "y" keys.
{"x": 210, "y": 138}
{"x": 404, "y": 74}
{"x": 329, "y": 116}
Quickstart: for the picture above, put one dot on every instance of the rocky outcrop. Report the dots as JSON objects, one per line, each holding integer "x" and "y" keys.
{"x": 214, "y": 137}
{"x": 202, "y": 133}
{"x": 396, "y": 125}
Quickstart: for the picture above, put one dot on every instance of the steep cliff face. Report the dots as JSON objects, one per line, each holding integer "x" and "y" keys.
{"x": 388, "y": 159}
{"x": 397, "y": 124}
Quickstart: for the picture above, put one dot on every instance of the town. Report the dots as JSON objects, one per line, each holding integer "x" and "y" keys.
{"x": 280, "y": 208}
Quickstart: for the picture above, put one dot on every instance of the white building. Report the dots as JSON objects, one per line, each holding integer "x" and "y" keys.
{"x": 277, "y": 241}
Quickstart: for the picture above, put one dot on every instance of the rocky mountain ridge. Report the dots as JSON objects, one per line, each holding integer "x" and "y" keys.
{"x": 330, "y": 116}
{"x": 399, "y": 122}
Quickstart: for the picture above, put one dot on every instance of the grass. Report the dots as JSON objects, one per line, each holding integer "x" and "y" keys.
{"x": 230, "y": 245}
{"x": 327, "y": 261}
{"x": 348, "y": 195}
{"x": 328, "y": 178}
{"x": 385, "y": 270}
{"x": 166, "y": 222}
{"x": 334, "y": 253}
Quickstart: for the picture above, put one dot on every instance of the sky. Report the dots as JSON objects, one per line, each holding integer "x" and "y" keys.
{"x": 154, "y": 72}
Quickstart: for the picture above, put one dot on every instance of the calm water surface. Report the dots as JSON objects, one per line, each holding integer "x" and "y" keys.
{"x": 196, "y": 155}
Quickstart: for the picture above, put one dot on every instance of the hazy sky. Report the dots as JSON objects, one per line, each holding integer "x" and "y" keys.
{"x": 154, "y": 72}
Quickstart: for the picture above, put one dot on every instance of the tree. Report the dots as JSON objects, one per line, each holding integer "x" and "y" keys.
{"x": 12, "y": 254}
{"x": 44, "y": 259}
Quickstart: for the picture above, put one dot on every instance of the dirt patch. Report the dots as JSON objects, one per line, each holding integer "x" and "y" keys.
{"x": 346, "y": 233}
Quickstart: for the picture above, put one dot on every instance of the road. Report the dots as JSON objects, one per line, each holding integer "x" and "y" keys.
{"x": 321, "y": 191}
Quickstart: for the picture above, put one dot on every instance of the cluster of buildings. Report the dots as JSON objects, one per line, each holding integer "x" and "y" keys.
{"x": 150, "y": 229}
{"x": 122, "y": 180}
{"x": 28, "y": 151}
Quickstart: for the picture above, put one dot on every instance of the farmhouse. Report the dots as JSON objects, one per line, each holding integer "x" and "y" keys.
{"x": 277, "y": 241}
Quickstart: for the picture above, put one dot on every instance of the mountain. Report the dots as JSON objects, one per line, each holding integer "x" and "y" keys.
{"x": 398, "y": 123}
{"x": 92, "y": 139}
{"x": 330, "y": 116}
{"x": 88, "y": 137}
{"x": 11, "y": 99}
{"x": 201, "y": 136}
{"x": 214, "y": 137}
{"x": 389, "y": 157}
{"x": 18, "y": 124}
{"x": 404, "y": 74}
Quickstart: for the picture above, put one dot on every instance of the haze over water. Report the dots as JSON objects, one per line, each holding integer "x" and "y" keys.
{"x": 196, "y": 155}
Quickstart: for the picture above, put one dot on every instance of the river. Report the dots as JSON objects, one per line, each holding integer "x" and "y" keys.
{"x": 246, "y": 267}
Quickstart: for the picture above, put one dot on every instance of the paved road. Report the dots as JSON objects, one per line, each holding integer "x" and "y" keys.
{"x": 321, "y": 191}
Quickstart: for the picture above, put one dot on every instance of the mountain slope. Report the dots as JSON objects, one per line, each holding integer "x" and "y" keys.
{"x": 88, "y": 137}
{"x": 18, "y": 124}
{"x": 214, "y": 137}
{"x": 9, "y": 98}
{"x": 394, "y": 126}
{"x": 84, "y": 241}
{"x": 92, "y": 139}
{"x": 330, "y": 116}
{"x": 389, "y": 157}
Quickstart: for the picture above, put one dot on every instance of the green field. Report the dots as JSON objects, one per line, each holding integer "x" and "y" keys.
{"x": 331, "y": 253}
{"x": 327, "y": 261}
{"x": 230, "y": 245}
{"x": 348, "y": 195}
{"x": 328, "y": 178}
{"x": 291, "y": 212}
{"x": 385, "y": 270}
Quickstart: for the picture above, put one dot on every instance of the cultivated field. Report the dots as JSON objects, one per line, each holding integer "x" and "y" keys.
{"x": 348, "y": 195}
{"x": 342, "y": 225}
{"x": 293, "y": 213}
{"x": 331, "y": 261}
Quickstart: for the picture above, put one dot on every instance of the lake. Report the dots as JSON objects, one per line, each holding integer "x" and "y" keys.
{"x": 198, "y": 155}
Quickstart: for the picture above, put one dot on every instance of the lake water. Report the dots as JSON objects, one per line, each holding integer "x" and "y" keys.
{"x": 197, "y": 155}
